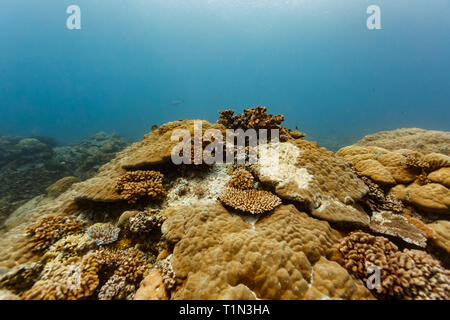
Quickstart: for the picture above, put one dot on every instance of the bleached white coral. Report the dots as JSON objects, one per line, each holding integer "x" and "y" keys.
{"x": 282, "y": 172}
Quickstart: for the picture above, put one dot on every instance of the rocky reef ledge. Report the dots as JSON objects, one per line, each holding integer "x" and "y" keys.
{"x": 309, "y": 227}
{"x": 29, "y": 165}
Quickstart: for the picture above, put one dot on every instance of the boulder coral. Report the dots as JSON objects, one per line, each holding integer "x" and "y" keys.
{"x": 414, "y": 178}
{"x": 218, "y": 255}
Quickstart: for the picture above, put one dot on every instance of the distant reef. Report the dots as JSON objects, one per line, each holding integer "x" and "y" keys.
{"x": 421, "y": 140}
{"x": 29, "y": 165}
{"x": 301, "y": 223}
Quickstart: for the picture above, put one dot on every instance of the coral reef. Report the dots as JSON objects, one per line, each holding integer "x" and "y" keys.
{"x": 114, "y": 287}
{"x": 168, "y": 274}
{"x": 420, "y": 140}
{"x": 396, "y": 225}
{"x": 137, "y": 184}
{"x": 407, "y": 274}
{"x": 195, "y": 243}
{"x": 50, "y": 229}
{"x": 29, "y": 165}
{"x": 72, "y": 280}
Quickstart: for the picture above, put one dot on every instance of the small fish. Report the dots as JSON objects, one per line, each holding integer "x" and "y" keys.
{"x": 177, "y": 102}
{"x": 154, "y": 127}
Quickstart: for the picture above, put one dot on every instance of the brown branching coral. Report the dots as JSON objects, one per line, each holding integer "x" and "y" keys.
{"x": 50, "y": 229}
{"x": 253, "y": 201}
{"x": 139, "y": 184}
{"x": 103, "y": 233}
{"x": 407, "y": 274}
{"x": 130, "y": 263}
{"x": 253, "y": 118}
{"x": 133, "y": 265}
{"x": 73, "y": 279}
{"x": 241, "y": 179}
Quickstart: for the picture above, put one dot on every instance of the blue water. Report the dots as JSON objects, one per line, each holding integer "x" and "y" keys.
{"x": 313, "y": 61}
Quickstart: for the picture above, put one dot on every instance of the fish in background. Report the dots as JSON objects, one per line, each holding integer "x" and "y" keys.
{"x": 177, "y": 102}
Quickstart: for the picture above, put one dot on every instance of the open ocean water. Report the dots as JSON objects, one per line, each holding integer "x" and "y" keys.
{"x": 136, "y": 63}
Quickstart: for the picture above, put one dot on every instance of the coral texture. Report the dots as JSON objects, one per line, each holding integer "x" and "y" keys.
{"x": 102, "y": 233}
{"x": 415, "y": 178}
{"x": 424, "y": 141}
{"x": 217, "y": 255}
{"x": 253, "y": 201}
{"x": 152, "y": 287}
{"x": 241, "y": 179}
{"x": 407, "y": 274}
{"x": 396, "y": 225}
{"x": 138, "y": 184}
{"x": 314, "y": 178}
{"x": 50, "y": 229}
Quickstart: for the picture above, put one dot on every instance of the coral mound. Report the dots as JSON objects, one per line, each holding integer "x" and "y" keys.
{"x": 424, "y": 141}
{"x": 220, "y": 256}
{"x": 137, "y": 184}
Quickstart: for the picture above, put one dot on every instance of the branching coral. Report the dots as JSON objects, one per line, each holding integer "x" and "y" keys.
{"x": 103, "y": 233}
{"x": 241, "y": 179}
{"x": 141, "y": 183}
{"x": 133, "y": 265}
{"x": 73, "y": 279}
{"x": 50, "y": 229}
{"x": 253, "y": 201}
{"x": 407, "y": 274}
{"x": 253, "y": 118}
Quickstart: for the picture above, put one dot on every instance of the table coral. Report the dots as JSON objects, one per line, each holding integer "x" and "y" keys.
{"x": 250, "y": 200}
{"x": 138, "y": 184}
